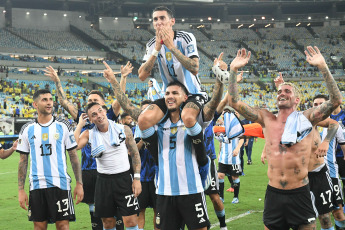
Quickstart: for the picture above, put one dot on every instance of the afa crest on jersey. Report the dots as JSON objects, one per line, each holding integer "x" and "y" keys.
{"x": 190, "y": 49}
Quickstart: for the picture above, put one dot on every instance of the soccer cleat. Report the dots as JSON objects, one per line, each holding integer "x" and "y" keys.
{"x": 222, "y": 75}
{"x": 224, "y": 228}
{"x": 249, "y": 162}
{"x": 230, "y": 189}
{"x": 235, "y": 200}
{"x": 205, "y": 174}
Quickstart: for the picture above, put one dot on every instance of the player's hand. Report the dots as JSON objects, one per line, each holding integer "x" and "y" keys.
{"x": 263, "y": 157}
{"x": 239, "y": 77}
{"x": 246, "y": 143}
{"x": 78, "y": 193}
{"x": 278, "y": 80}
{"x": 168, "y": 40}
{"x": 136, "y": 187}
{"x": 82, "y": 119}
{"x": 23, "y": 199}
{"x": 50, "y": 72}
{"x": 14, "y": 145}
{"x": 108, "y": 73}
{"x": 314, "y": 57}
{"x": 222, "y": 64}
{"x": 127, "y": 69}
{"x": 322, "y": 149}
{"x": 241, "y": 59}
{"x": 235, "y": 152}
{"x": 158, "y": 40}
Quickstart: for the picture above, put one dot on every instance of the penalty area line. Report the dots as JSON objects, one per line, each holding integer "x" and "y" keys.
{"x": 235, "y": 218}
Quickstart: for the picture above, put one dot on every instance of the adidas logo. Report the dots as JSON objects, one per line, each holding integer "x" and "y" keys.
{"x": 66, "y": 214}
{"x": 202, "y": 220}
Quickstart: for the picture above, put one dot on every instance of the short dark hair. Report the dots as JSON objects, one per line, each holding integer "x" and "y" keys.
{"x": 321, "y": 96}
{"x": 39, "y": 92}
{"x": 124, "y": 114}
{"x": 98, "y": 93}
{"x": 145, "y": 102}
{"x": 89, "y": 106}
{"x": 177, "y": 83}
{"x": 164, "y": 8}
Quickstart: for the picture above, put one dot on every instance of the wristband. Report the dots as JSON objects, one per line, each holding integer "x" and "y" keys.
{"x": 137, "y": 176}
{"x": 155, "y": 52}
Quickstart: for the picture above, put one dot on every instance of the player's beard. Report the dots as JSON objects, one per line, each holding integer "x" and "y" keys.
{"x": 172, "y": 110}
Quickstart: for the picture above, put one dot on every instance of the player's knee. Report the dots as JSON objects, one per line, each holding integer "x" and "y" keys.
{"x": 108, "y": 223}
{"x": 325, "y": 220}
{"x": 338, "y": 214}
{"x": 221, "y": 176}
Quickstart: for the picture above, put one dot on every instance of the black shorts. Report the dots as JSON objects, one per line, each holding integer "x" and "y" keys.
{"x": 197, "y": 99}
{"x": 341, "y": 164}
{"x": 338, "y": 198}
{"x": 321, "y": 187}
{"x": 285, "y": 209}
{"x": 50, "y": 204}
{"x": 147, "y": 197}
{"x": 189, "y": 209}
{"x": 89, "y": 185}
{"x": 214, "y": 187}
{"x": 230, "y": 170}
{"x": 112, "y": 192}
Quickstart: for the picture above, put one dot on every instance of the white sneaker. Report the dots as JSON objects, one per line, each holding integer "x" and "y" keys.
{"x": 235, "y": 200}
{"x": 222, "y": 75}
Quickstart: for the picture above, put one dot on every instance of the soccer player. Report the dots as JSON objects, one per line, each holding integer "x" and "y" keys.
{"x": 89, "y": 164}
{"x": 178, "y": 60}
{"x": 4, "y": 153}
{"x": 111, "y": 143}
{"x": 46, "y": 140}
{"x": 287, "y": 155}
{"x": 180, "y": 191}
{"x": 147, "y": 197}
{"x": 229, "y": 162}
{"x": 154, "y": 90}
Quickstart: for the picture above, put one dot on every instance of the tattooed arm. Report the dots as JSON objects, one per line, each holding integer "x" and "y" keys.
{"x": 211, "y": 106}
{"x": 146, "y": 68}
{"x": 72, "y": 109}
{"x": 332, "y": 128}
{"x": 22, "y": 171}
{"x": 121, "y": 97}
{"x": 78, "y": 191}
{"x": 245, "y": 110}
{"x": 136, "y": 163}
{"x": 191, "y": 64}
{"x": 315, "y": 115}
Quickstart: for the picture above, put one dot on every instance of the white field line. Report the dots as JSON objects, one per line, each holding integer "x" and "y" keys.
{"x": 8, "y": 172}
{"x": 235, "y": 218}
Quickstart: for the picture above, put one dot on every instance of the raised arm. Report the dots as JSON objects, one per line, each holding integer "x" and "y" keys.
{"x": 72, "y": 109}
{"x": 245, "y": 110}
{"x": 78, "y": 190}
{"x": 317, "y": 114}
{"x": 81, "y": 138}
{"x": 211, "y": 106}
{"x": 136, "y": 163}
{"x": 4, "y": 153}
{"x": 332, "y": 128}
{"x": 121, "y": 97}
{"x": 125, "y": 71}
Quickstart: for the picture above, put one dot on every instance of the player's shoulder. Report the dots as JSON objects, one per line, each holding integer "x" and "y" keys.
{"x": 151, "y": 42}
{"x": 65, "y": 123}
{"x": 26, "y": 126}
{"x": 185, "y": 36}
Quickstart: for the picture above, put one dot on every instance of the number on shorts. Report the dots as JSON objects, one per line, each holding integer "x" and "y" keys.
{"x": 131, "y": 203}
{"x": 336, "y": 188}
{"x": 235, "y": 167}
{"x": 199, "y": 209}
{"x": 213, "y": 182}
{"x": 329, "y": 193}
{"x": 65, "y": 203}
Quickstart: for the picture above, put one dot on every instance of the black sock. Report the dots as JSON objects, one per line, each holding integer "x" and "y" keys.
{"x": 96, "y": 222}
{"x": 236, "y": 189}
{"x": 119, "y": 223}
{"x": 343, "y": 186}
{"x": 221, "y": 189}
{"x": 151, "y": 143}
{"x": 231, "y": 181}
{"x": 199, "y": 146}
{"x": 222, "y": 221}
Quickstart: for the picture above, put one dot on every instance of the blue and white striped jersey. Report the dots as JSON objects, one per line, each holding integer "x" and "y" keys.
{"x": 170, "y": 68}
{"x": 178, "y": 170}
{"x": 47, "y": 145}
{"x": 340, "y": 118}
{"x": 152, "y": 94}
{"x": 226, "y": 151}
{"x": 330, "y": 158}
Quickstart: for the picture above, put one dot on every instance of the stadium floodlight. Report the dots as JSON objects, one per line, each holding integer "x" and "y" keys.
{"x": 182, "y": 20}
{"x": 254, "y": 19}
{"x": 298, "y": 24}
{"x": 308, "y": 24}
{"x": 135, "y": 18}
{"x": 218, "y": 20}
{"x": 289, "y": 19}
{"x": 209, "y": 18}
{"x": 251, "y": 26}
{"x": 326, "y": 17}
{"x": 116, "y": 18}
{"x": 27, "y": 13}
{"x": 237, "y": 19}
{"x": 272, "y": 19}
{"x": 201, "y": 20}
{"x": 309, "y": 18}
{"x": 65, "y": 15}
{"x": 100, "y": 18}
{"x": 240, "y": 26}
{"x": 45, "y": 14}
{"x": 150, "y": 19}
{"x": 79, "y": 16}
{"x": 263, "y": 17}
{"x": 4, "y": 11}
{"x": 267, "y": 25}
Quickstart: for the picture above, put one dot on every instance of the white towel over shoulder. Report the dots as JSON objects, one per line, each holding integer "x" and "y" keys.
{"x": 297, "y": 127}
